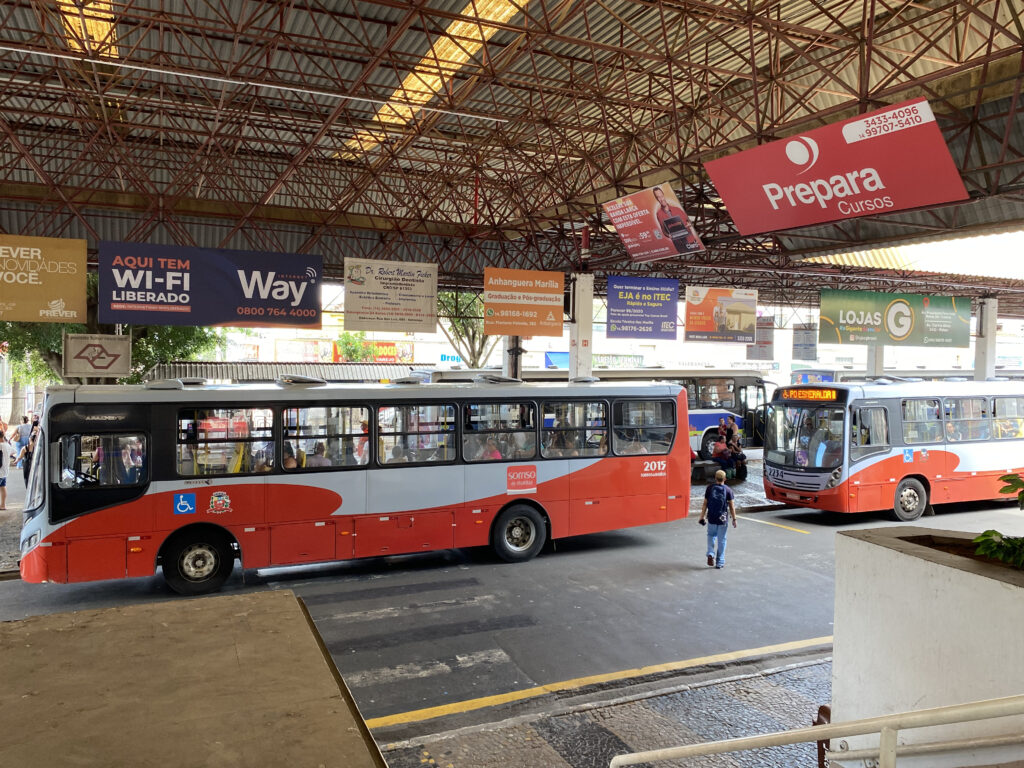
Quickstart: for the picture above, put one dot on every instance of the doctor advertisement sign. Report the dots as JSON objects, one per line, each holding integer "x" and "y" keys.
{"x": 390, "y": 296}
{"x": 883, "y": 161}
{"x": 721, "y": 314}
{"x": 42, "y": 279}
{"x": 522, "y": 302}
{"x": 172, "y": 285}
{"x": 897, "y": 319}
{"x": 653, "y": 225}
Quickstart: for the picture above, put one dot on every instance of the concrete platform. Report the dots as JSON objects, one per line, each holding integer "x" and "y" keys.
{"x": 229, "y": 681}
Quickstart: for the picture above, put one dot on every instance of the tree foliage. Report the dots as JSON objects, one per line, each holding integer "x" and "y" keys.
{"x": 462, "y": 321}
{"x": 355, "y": 348}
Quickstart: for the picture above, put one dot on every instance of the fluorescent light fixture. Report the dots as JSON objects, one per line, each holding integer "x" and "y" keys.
{"x": 89, "y": 26}
{"x": 462, "y": 40}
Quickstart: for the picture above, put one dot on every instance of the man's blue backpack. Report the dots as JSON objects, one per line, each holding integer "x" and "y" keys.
{"x": 718, "y": 504}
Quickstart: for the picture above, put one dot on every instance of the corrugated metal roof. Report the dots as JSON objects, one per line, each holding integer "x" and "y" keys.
{"x": 256, "y": 372}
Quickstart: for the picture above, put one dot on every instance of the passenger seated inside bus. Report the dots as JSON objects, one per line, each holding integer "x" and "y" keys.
{"x": 319, "y": 457}
{"x": 490, "y": 451}
{"x": 348, "y": 454}
{"x": 953, "y": 433}
{"x": 627, "y": 442}
{"x": 289, "y": 461}
{"x": 397, "y": 455}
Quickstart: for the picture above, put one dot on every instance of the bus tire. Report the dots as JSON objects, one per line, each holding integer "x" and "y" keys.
{"x": 707, "y": 444}
{"x": 911, "y": 500}
{"x": 519, "y": 533}
{"x": 197, "y": 561}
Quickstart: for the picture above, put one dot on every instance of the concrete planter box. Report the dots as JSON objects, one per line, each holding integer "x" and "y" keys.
{"x": 916, "y": 627}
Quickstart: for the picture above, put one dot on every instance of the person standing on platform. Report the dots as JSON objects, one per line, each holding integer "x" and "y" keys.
{"x": 715, "y": 512}
{"x": 20, "y": 435}
{"x": 5, "y": 468}
{"x": 25, "y": 457}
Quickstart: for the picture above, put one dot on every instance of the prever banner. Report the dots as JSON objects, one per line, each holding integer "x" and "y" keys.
{"x": 884, "y": 161}
{"x": 653, "y": 225}
{"x": 173, "y": 285}
{"x": 720, "y": 314}
{"x": 896, "y": 319}
{"x": 522, "y": 302}
{"x": 42, "y": 279}
{"x": 390, "y": 296}
{"x": 642, "y": 307}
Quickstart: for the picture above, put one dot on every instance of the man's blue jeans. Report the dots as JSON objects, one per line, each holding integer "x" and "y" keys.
{"x": 717, "y": 532}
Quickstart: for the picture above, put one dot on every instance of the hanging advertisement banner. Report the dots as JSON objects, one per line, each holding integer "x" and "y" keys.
{"x": 642, "y": 307}
{"x": 884, "y": 161}
{"x": 172, "y": 285}
{"x": 720, "y": 314}
{"x": 42, "y": 279}
{"x": 764, "y": 346}
{"x": 805, "y": 341}
{"x": 390, "y": 296}
{"x": 522, "y": 302}
{"x": 895, "y": 319}
{"x": 653, "y": 225}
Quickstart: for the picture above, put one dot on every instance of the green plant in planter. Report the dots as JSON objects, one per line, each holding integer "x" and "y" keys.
{"x": 1006, "y": 549}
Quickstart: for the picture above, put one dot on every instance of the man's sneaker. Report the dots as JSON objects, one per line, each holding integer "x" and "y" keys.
{"x": 720, "y": 566}
{"x": 711, "y": 559}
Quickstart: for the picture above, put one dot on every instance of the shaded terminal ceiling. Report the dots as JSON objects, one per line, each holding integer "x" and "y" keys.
{"x": 489, "y": 132}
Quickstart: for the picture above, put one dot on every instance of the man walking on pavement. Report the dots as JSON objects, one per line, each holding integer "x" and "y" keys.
{"x": 716, "y": 510}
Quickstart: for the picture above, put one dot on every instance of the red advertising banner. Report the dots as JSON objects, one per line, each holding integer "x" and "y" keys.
{"x": 653, "y": 225}
{"x": 880, "y": 162}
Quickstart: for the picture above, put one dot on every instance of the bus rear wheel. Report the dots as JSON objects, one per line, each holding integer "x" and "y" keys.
{"x": 707, "y": 444}
{"x": 519, "y": 533}
{"x": 911, "y": 500}
{"x": 199, "y": 562}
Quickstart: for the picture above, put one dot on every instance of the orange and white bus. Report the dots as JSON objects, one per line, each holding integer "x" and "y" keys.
{"x": 898, "y": 445}
{"x": 190, "y": 477}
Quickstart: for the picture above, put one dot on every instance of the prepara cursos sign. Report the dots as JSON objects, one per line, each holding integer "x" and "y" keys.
{"x": 171, "y": 285}
{"x": 880, "y": 162}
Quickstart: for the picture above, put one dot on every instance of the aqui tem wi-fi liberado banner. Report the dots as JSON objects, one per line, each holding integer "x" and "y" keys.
{"x": 884, "y": 161}
{"x": 172, "y": 285}
{"x": 896, "y": 319}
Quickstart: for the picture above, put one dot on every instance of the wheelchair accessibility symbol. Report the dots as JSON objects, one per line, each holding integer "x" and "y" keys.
{"x": 184, "y": 503}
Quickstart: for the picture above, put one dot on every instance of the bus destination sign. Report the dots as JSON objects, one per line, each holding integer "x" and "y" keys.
{"x": 818, "y": 394}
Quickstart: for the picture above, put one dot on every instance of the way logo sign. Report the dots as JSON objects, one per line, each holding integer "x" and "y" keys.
{"x": 884, "y": 161}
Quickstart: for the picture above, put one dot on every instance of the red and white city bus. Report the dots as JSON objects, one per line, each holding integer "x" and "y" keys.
{"x": 892, "y": 445}
{"x": 190, "y": 477}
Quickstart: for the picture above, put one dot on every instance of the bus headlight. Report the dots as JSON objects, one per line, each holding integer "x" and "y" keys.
{"x": 30, "y": 542}
{"x": 833, "y": 479}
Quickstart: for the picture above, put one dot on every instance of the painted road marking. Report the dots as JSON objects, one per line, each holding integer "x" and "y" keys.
{"x": 398, "y": 610}
{"x": 483, "y": 702}
{"x": 777, "y": 525}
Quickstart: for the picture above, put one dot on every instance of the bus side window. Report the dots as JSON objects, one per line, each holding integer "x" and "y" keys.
{"x": 870, "y": 429}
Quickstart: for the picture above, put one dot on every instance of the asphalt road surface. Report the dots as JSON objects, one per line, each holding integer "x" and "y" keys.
{"x": 422, "y": 638}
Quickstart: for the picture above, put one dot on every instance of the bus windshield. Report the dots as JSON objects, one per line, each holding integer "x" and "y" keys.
{"x": 804, "y": 436}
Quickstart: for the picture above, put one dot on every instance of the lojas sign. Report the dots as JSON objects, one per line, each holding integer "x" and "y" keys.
{"x": 880, "y": 162}
{"x": 172, "y": 285}
{"x": 897, "y": 319}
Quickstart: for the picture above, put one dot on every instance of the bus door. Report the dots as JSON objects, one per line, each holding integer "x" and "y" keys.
{"x": 753, "y": 406}
{"x": 98, "y": 476}
{"x": 870, "y": 444}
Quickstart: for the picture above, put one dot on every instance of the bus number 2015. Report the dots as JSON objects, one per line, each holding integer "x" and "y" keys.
{"x": 655, "y": 466}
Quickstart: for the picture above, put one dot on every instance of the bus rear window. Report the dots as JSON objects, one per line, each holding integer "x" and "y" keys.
{"x": 643, "y": 426}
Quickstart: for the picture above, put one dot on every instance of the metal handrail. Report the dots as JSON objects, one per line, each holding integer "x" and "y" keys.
{"x": 887, "y": 726}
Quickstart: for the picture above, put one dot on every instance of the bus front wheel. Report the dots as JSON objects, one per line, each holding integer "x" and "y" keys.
{"x": 519, "y": 533}
{"x": 911, "y": 500}
{"x": 195, "y": 563}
